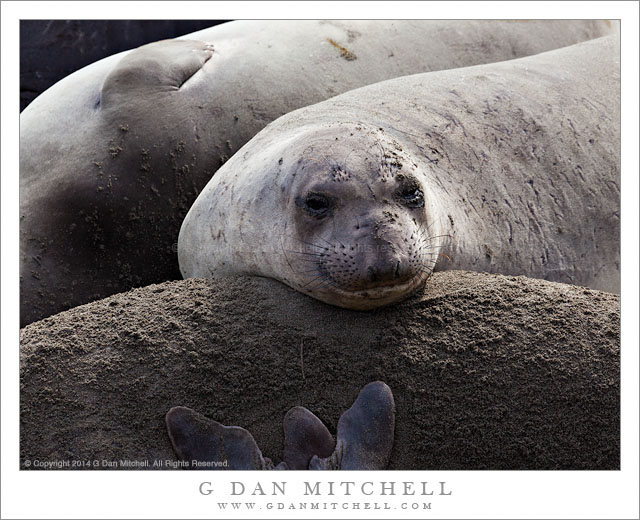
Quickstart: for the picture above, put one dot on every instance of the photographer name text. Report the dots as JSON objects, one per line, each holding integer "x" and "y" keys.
{"x": 318, "y": 488}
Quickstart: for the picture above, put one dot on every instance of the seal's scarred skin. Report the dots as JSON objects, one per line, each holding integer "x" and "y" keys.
{"x": 112, "y": 157}
{"x": 510, "y": 168}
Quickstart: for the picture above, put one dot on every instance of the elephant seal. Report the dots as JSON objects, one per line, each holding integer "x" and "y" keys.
{"x": 113, "y": 156}
{"x": 508, "y": 168}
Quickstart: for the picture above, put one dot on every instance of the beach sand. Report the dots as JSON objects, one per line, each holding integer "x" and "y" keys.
{"x": 487, "y": 371}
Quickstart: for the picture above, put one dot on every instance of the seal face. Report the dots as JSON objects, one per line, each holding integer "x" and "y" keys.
{"x": 345, "y": 216}
{"x": 361, "y": 234}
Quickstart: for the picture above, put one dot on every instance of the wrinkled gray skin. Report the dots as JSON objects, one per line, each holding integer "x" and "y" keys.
{"x": 509, "y": 168}
{"x": 112, "y": 157}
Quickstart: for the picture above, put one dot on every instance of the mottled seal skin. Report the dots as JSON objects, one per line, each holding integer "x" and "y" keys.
{"x": 112, "y": 157}
{"x": 509, "y": 168}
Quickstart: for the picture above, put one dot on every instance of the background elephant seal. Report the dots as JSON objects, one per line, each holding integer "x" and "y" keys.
{"x": 487, "y": 371}
{"x": 52, "y": 49}
{"x": 112, "y": 157}
{"x": 510, "y": 167}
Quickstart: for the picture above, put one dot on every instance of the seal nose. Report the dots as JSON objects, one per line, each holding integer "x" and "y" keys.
{"x": 387, "y": 271}
{"x": 381, "y": 256}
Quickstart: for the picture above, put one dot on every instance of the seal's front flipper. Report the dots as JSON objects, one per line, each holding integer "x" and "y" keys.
{"x": 304, "y": 437}
{"x": 365, "y": 432}
{"x": 196, "y": 438}
{"x": 160, "y": 66}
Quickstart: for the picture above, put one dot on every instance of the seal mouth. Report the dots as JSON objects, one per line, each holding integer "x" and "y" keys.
{"x": 377, "y": 296}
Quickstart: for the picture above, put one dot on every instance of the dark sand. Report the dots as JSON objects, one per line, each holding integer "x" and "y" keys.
{"x": 488, "y": 372}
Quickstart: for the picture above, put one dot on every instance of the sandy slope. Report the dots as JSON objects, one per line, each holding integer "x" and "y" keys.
{"x": 488, "y": 371}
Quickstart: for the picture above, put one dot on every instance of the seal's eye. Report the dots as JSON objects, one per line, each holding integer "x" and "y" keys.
{"x": 316, "y": 204}
{"x": 412, "y": 196}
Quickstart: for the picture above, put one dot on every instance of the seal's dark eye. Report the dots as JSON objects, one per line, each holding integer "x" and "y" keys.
{"x": 412, "y": 196}
{"x": 316, "y": 204}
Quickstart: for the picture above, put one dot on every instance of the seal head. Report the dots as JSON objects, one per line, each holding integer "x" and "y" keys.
{"x": 347, "y": 219}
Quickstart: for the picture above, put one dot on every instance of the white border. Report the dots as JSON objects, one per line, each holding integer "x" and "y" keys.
{"x": 175, "y": 494}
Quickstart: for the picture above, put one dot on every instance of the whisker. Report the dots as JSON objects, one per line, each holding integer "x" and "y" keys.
{"x": 307, "y": 243}
{"x": 344, "y": 161}
{"x": 429, "y": 226}
{"x": 436, "y": 236}
{"x": 332, "y": 245}
{"x": 327, "y": 283}
{"x": 315, "y": 270}
{"x": 306, "y": 272}
{"x": 319, "y": 277}
{"x": 285, "y": 254}
{"x": 304, "y": 253}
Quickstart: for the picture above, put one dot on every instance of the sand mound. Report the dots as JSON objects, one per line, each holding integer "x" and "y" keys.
{"x": 488, "y": 372}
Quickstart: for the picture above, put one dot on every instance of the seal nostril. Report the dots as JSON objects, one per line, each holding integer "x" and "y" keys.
{"x": 373, "y": 276}
{"x": 397, "y": 272}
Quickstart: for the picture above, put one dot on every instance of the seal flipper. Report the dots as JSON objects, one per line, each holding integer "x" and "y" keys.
{"x": 160, "y": 66}
{"x": 365, "y": 432}
{"x": 305, "y": 436}
{"x": 196, "y": 438}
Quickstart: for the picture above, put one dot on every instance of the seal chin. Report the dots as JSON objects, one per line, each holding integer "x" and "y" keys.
{"x": 373, "y": 297}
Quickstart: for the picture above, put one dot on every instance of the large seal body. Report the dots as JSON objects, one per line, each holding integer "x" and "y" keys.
{"x": 510, "y": 168}
{"x": 113, "y": 156}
